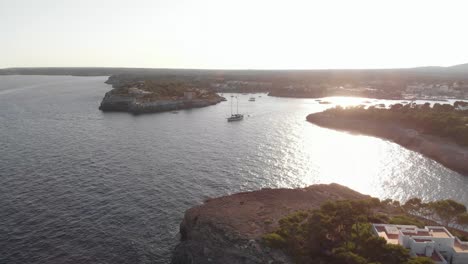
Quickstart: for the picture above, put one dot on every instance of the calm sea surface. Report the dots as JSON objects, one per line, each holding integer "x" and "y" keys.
{"x": 81, "y": 186}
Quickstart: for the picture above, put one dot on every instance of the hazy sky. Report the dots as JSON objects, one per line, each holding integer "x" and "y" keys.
{"x": 233, "y": 34}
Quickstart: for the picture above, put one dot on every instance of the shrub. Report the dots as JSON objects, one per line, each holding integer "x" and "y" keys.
{"x": 406, "y": 220}
{"x": 274, "y": 240}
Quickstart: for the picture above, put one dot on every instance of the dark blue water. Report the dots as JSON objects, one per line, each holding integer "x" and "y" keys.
{"x": 81, "y": 186}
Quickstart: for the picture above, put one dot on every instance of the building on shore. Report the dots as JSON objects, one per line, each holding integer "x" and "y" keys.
{"x": 435, "y": 242}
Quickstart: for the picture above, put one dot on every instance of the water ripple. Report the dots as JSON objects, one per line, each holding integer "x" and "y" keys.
{"x": 80, "y": 186}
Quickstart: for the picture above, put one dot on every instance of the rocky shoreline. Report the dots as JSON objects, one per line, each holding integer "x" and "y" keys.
{"x": 229, "y": 229}
{"x": 444, "y": 151}
{"x": 121, "y": 103}
{"x": 139, "y": 96}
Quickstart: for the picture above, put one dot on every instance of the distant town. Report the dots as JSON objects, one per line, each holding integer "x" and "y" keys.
{"x": 415, "y": 83}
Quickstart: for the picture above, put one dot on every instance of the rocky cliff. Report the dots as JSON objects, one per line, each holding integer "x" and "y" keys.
{"x": 143, "y": 96}
{"x": 442, "y": 150}
{"x": 128, "y": 103}
{"x": 229, "y": 229}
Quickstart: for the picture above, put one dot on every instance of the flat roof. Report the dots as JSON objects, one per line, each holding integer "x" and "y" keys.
{"x": 421, "y": 235}
{"x": 391, "y": 238}
{"x": 440, "y": 232}
{"x": 460, "y": 248}
{"x": 418, "y": 233}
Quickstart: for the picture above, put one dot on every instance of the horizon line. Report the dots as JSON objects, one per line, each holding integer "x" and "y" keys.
{"x": 227, "y": 69}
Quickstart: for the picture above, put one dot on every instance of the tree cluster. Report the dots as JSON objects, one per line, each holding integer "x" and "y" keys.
{"x": 448, "y": 212}
{"x": 443, "y": 120}
{"x": 338, "y": 232}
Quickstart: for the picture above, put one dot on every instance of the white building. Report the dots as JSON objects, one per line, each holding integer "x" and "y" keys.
{"x": 435, "y": 242}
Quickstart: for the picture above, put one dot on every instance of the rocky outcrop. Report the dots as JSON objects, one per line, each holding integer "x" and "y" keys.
{"x": 113, "y": 102}
{"x": 444, "y": 151}
{"x": 138, "y": 96}
{"x": 229, "y": 229}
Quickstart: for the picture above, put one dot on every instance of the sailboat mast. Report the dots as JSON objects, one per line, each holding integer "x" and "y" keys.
{"x": 237, "y": 105}
{"x": 232, "y": 98}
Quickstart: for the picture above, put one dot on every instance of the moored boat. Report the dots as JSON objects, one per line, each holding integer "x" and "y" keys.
{"x": 236, "y": 116}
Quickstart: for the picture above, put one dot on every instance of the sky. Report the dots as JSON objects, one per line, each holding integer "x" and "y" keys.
{"x": 236, "y": 34}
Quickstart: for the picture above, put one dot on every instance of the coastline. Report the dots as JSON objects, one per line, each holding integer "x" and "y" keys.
{"x": 321, "y": 94}
{"x": 139, "y": 96}
{"x": 229, "y": 229}
{"x": 443, "y": 151}
{"x": 130, "y": 104}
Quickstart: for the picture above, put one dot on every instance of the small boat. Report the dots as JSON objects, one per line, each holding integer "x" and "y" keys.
{"x": 324, "y": 102}
{"x": 237, "y": 116}
{"x": 252, "y": 99}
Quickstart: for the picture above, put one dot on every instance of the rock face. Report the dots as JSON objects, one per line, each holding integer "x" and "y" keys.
{"x": 229, "y": 229}
{"x": 444, "y": 151}
{"x": 128, "y": 103}
{"x": 135, "y": 95}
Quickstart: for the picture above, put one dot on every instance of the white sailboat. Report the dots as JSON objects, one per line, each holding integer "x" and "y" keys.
{"x": 237, "y": 116}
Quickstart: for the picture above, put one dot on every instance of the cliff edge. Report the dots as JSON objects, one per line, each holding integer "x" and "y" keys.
{"x": 229, "y": 229}
{"x": 137, "y": 97}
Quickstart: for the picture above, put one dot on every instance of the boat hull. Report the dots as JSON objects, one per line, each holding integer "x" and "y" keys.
{"x": 234, "y": 118}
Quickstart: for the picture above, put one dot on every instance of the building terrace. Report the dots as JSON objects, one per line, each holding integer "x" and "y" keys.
{"x": 435, "y": 242}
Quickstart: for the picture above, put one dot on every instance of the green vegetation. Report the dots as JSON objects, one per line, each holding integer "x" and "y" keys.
{"x": 443, "y": 120}
{"x": 406, "y": 220}
{"x": 338, "y": 232}
{"x": 448, "y": 212}
{"x": 149, "y": 90}
{"x": 165, "y": 88}
{"x": 420, "y": 260}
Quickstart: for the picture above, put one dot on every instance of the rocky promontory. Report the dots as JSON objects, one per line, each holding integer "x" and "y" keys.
{"x": 443, "y": 150}
{"x": 140, "y": 97}
{"x": 229, "y": 229}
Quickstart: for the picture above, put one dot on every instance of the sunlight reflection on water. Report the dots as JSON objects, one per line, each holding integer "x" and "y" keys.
{"x": 367, "y": 164}
{"x": 113, "y": 187}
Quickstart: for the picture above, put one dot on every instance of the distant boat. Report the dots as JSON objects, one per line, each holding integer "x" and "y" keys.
{"x": 237, "y": 116}
{"x": 324, "y": 102}
{"x": 252, "y": 99}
